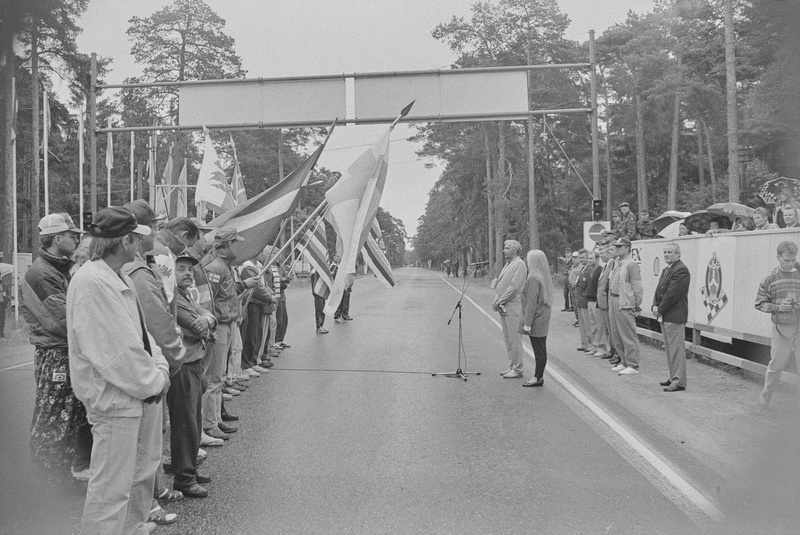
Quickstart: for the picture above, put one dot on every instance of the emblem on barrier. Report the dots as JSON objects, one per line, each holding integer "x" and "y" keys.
{"x": 656, "y": 267}
{"x": 714, "y": 298}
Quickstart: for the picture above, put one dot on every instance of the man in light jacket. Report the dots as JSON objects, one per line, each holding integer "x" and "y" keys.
{"x": 120, "y": 375}
{"x": 507, "y": 303}
{"x": 625, "y": 291}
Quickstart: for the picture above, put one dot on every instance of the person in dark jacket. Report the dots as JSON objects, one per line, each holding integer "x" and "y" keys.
{"x": 61, "y": 437}
{"x": 585, "y": 320}
{"x": 671, "y": 308}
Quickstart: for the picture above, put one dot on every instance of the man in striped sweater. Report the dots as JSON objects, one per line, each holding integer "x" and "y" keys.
{"x": 779, "y": 295}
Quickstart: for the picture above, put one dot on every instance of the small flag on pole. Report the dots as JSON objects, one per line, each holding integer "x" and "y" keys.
{"x": 181, "y": 210}
{"x": 237, "y": 181}
{"x": 212, "y": 186}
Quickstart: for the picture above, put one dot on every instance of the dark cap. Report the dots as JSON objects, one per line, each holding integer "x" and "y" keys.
{"x": 616, "y": 212}
{"x": 625, "y": 204}
{"x": 116, "y": 222}
{"x": 622, "y": 242}
{"x": 186, "y": 256}
{"x": 227, "y": 234}
{"x": 144, "y": 214}
{"x": 201, "y": 225}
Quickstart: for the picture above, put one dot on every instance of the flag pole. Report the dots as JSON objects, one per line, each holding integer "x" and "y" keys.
{"x": 46, "y": 150}
{"x": 305, "y": 245}
{"x": 14, "y": 222}
{"x": 109, "y": 162}
{"x": 81, "y": 114}
{"x": 132, "y": 152}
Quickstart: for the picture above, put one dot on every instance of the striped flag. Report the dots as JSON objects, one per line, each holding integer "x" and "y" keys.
{"x": 314, "y": 247}
{"x": 259, "y": 219}
{"x": 353, "y": 202}
{"x": 212, "y": 186}
{"x": 163, "y": 193}
{"x": 237, "y": 181}
{"x": 375, "y": 257}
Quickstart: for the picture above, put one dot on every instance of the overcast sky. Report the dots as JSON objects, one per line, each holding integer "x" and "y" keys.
{"x": 310, "y": 37}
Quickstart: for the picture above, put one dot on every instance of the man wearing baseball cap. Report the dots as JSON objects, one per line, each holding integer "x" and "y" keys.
{"x": 120, "y": 374}
{"x": 625, "y": 301}
{"x": 227, "y": 311}
{"x": 61, "y": 439}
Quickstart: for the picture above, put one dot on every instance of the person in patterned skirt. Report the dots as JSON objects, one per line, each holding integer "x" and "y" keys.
{"x": 61, "y": 437}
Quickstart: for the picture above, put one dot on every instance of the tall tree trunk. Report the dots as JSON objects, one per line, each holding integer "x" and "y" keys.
{"x": 641, "y": 164}
{"x": 672, "y": 196}
{"x": 701, "y": 171}
{"x": 489, "y": 201}
{"x": 6, "y": 228}
{"x": 711, "y": 173}
{"x": 500, "y": 205}
{"x": 609, "y": 178}
{"x": 734, "y": 190}
{"x": 36, "y": 212}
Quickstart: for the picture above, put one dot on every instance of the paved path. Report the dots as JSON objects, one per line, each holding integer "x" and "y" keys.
{"x": 350, "y": 433}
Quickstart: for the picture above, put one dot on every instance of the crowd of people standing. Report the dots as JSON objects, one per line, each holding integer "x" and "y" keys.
{"x": 142, "y": 331}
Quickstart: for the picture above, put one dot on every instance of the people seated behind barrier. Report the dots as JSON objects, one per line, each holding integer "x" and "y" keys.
{"x": 790, "y": 217}
{"x": 742, "y": 224}
{"x": 644, "y": 227}
{"x": 761, "y": 220}
{"x": 786, "y": 201}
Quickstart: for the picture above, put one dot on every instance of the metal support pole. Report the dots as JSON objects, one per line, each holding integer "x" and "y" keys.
{"x": 93, "y": 134}
{"x": 595, "y": 143}
{"x": 532, "y": 210}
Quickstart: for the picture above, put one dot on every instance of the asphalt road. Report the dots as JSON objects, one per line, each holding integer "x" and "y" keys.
{"x": 350, "y": 433}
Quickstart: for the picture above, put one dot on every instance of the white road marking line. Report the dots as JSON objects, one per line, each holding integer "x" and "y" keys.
{"x": 671, "y": 476}
{"x": 16, "y": 366}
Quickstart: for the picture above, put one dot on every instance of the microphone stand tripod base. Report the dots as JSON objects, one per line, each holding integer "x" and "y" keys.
{"x": 457, "y": 375}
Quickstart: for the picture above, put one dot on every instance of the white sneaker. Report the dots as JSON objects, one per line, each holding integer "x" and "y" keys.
{"x": 208, "y": 441}
{"x": 241, "y": 376}
{"x": 226, "y": 397}
{"x": 513, "y": 374}
{"x": 599, "y": 353}
{"x": 252, "y": 373}
{"x": 259, "y": 369}
{"x": 618, "y": 368}
{"x": 83, "y": 475}
{"x": 201, "y": 453}
{"x": 629, "y": 371}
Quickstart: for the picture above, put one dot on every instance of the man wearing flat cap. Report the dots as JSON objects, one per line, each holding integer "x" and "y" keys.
{"x": 625, "y": 300}
{"x": 120, "y": 375}
{"x": 61, "y": 438}
{"x": 185, "y": 394}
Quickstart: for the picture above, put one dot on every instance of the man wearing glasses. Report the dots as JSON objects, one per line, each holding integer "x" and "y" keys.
{"x": 61, "y": 439}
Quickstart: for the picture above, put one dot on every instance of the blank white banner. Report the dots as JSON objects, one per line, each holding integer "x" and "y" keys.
{"x": 275, "y": 102}
{"x": 442, "y": 95}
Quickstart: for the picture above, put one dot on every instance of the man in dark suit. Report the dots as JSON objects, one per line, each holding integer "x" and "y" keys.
{"x": 671, "y": 308}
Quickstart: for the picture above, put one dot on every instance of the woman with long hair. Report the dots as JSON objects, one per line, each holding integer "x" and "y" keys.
{"x": 537, "y": 302}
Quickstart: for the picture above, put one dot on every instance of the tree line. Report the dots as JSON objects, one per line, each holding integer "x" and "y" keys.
{"x": 185, "y": 40}
{"x": 665, "y": 120}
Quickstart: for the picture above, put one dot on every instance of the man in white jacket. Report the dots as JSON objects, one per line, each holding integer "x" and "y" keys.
{"x": 120, "y": 374}
{"x": 507, "y": 303}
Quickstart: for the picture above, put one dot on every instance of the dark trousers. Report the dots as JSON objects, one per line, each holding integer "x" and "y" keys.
{"x": 539, "y": 345}
{"x": 251, "y": 330}
{"x": 283, "y": 321}
{"x": 184, "y": 401}
{"x": 319, "y": 315}
{"x": 567, "y": 303}
{"x": 2, "y": 318}
{"x": 344, "y": 305}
